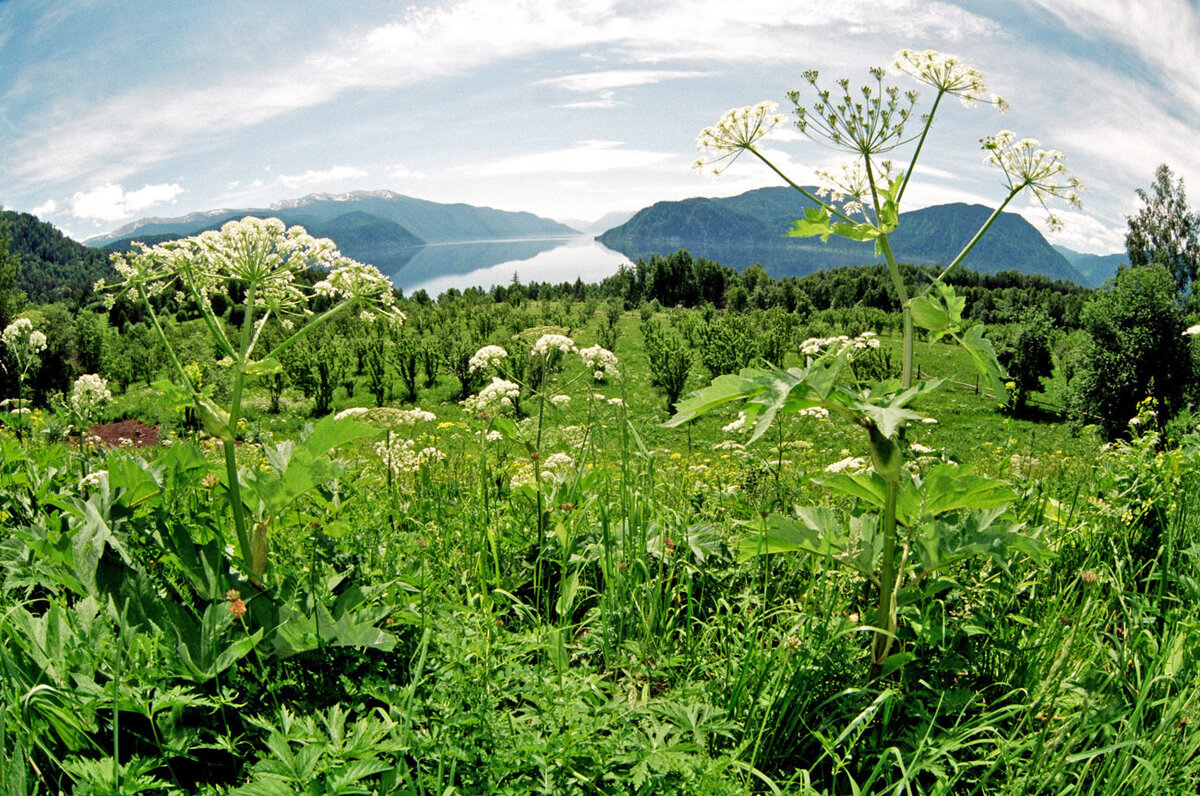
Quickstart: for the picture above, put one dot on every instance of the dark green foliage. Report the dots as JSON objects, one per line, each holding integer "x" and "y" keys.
{"x": 53, "y": 266}
{"x": 1165, "y": 231}
{"x": 670, "y": 361}
{"x": 11, "y": 296}
{"x": 1136, "y": 350}
{"x": 729, "y": 343}
{"x": 1027, "y": 357}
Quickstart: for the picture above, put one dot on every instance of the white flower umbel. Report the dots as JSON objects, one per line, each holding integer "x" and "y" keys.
{"x": 737, "y": 131}
{"x": 600, "y": 361}
{"x": 489, "y": 356}
{"x": 1027, "y": 166}
{"x": 948, "y": 75}
{"x": 89, "y": 393}
{"x": 553, "y": 342}
{"x": 496, "y": 398}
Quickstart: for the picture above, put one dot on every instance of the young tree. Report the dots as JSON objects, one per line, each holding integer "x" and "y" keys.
{"x": 1027, "y": 357}
{"x": 1165, "y": 231}
{"x": 1137, "y": 350}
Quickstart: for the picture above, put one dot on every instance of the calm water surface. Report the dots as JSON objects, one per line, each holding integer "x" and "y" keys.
{"x": 437, "y": 268}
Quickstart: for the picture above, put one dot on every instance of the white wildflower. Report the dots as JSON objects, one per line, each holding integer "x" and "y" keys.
{"x": 551, "y": 342}
{"x": 738, "y": 426}
{"x": 615, "y": 402}
{"x": 489, "y": 356}
{"x": 737, "y": 130}
{"x": 816, "y": 412}
{"x": 560, "y": 400}
{"x": 600, "y": 361}
{"x": 495, "y": 398}
{"x": 851, "y": 463}
{"x": 354, "y": 411}
{"x": 89, "y": 393}
{"x": 947, "y": 74}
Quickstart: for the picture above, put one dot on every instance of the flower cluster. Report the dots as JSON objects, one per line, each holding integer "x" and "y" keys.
{"x": 21, "y": 338}
{"x": 496, "y": 398}
{"x": 402, "y": 456}
{"x": 738, "y": 130}
{"x": 548, "y": 343}
{"x": 737, "y": 426}
{"x": 557, "y": 467}
{"x": 353, "y": 280}
{"x": 89, "y": 394}
{"x": 948, "y": 75}
{"x": 1027, "y": 166}
{"x": 560, "y": 400}
{"x": 487, "y": 357}
{"x": 852, "y": 463}
{"x": 815, "y": 346}
{"x": 600, "y": 361}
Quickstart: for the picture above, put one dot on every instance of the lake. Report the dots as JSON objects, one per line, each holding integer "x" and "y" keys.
{"x": 438, "y": 267}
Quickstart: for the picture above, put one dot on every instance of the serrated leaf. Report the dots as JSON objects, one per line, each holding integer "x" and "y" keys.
{"x": 815, "y": 530}
{"x": 859, "y": 232}
{"x": 983, "y": 355}
{"x": 948, "y": 487}
{"x": 815, "y": 222}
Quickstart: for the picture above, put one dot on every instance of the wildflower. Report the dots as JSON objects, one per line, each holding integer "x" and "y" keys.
{"x": 1027, "y": 166}
{"x": 493, "y": 436}
{"x": 557, "y": 466}
{"x": 1192, "y": 331}
{"x": 92, "y": 480}
{"x": 237, "y": 608}
{"x": 737, "y": 130}
{"x": 737, "y": 426}
{"x": 354, "y": 411}
{"x": 550, "y": 342}
{"x": 560, "y": 400}
{"x": 20, "y": 333}
{"x": 729, "y": 445}
{"x": 852, "y": 463}
{"x": 414, "y": 416}
{"x": 489, "y": 356}
{"x": 89, "y": 393}
{"x": 401, "y": 456}
{"x": 947, "y": 74}
{"x": 918, "y": 448}
{"x": 1089, "y": 577}
{"x": 817, "y": 412}
{"x": 615, "y": 402}
{"x": 601, "y": 361}
{"x": 497, "y": 397}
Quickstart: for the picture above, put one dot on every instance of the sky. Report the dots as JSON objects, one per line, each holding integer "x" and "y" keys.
{"x": 571, "y": 109}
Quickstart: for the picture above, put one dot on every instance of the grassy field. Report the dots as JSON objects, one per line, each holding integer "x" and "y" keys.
{"x": 570, "y": 607}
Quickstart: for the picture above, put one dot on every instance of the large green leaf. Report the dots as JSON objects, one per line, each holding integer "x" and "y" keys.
{"x": 949, "y": 487}
{"x": 983, "y": 355}
{"x": 815, "y": 530}
{"x": 987, "y": 532}
{"x": 816, "y": 221}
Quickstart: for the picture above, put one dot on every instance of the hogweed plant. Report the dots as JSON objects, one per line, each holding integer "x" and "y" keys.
{"x": 921, "y": 524}
{"x": 264, "y": 258}
{"x": 25, "y": 345}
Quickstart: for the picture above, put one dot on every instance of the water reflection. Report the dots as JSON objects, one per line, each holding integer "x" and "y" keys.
{"x": 437, "y": 268}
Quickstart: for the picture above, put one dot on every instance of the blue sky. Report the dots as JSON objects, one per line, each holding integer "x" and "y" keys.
{"x": 112, "y": 111}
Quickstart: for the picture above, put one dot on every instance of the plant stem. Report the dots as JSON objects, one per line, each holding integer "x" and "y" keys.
{"x": 886, "y": 621}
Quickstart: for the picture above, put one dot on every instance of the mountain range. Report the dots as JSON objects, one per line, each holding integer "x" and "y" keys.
{"x": 383, "y": 228}
{"x": 753, "y": 228}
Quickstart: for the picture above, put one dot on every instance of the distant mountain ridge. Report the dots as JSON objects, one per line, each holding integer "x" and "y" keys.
{"x": 383, "y": 228}
{"x": 1095, "y": 268}
{"x": 752, "y": 228}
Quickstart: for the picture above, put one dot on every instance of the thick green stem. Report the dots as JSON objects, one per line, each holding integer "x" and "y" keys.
{"x": 886, "y": 621}
{"x": 245, "y": 545}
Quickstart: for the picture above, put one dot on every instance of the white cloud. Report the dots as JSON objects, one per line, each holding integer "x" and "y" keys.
{"x": 401, "y": 172}
{"x": 607, "y": 99}
{"x": 45, "y": 209}
{"x": 313, "y": 178}
{"x": 618, "y": 78}
{"x": 111, "y": 202}
{"x": 586, "y": 157}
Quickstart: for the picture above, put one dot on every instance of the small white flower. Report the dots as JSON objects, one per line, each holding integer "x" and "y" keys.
{"x": 549, "y": 342}
{"x": 851, "y": 463}
{"x": 600, "y": 361}
{"x": 1192, "y": 331}
{"x": 353, "y": 411}
{"x": 737, "y": 130}
{"x": 495, "y": 398}
{"x": 737, "y": 426}
{"x": 560, "y": 400}
{"x": 489, "y": 356}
